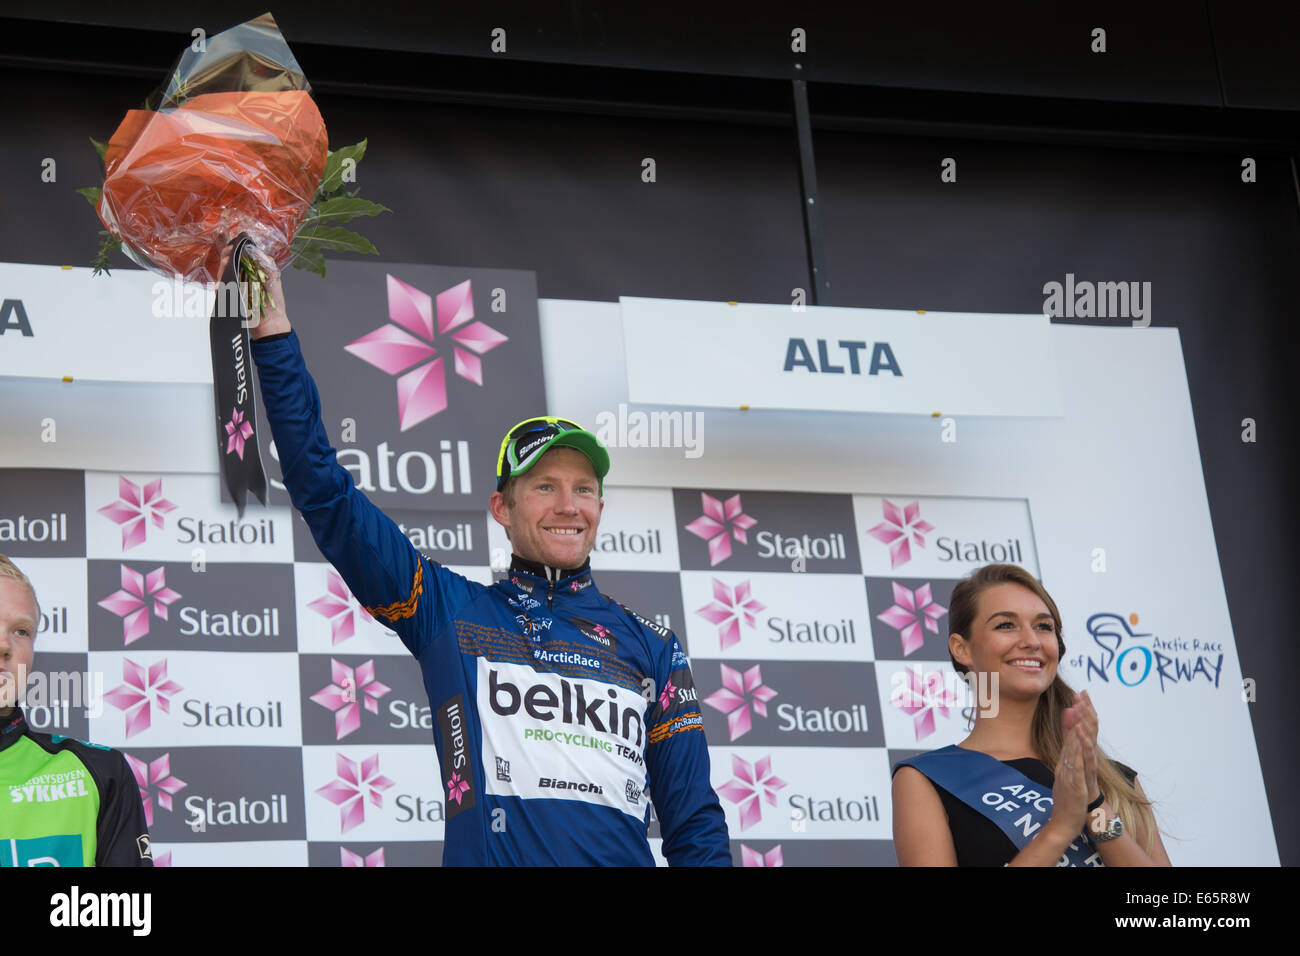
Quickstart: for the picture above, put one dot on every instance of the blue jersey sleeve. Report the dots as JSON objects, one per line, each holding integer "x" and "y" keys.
{"x": 391, "y": 579}
{"x": 677, "y": 758}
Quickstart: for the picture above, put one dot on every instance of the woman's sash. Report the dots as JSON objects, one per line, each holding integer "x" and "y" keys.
{"x": 1002, "y": 794}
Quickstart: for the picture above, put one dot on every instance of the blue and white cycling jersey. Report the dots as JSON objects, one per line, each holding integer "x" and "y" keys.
{"x": 556, "y": 710}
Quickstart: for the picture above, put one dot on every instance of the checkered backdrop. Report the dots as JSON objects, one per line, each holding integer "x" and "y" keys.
{"x": 219, "y": 654}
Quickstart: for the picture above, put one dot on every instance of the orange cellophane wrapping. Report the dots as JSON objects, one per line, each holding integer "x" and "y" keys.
{"x": 183, "y": 183}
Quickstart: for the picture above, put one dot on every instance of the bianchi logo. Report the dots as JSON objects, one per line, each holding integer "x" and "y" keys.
{"x": 422, "y": 392}
{"x": 550, "y": 783}
{"x": 633, "y": 792}
{"x": 503, "y": 770}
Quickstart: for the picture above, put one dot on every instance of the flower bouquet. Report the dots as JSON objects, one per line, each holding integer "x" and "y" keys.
{"x": 226, "y": 171}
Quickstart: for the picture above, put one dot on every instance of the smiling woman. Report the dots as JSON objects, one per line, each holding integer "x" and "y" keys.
{"x": 994, "y": 799}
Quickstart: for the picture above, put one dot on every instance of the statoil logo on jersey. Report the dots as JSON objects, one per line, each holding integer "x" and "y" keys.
{"x": 454, "y": 758}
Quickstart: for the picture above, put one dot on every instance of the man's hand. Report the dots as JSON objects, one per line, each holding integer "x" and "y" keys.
{"x": 276, "y": 319}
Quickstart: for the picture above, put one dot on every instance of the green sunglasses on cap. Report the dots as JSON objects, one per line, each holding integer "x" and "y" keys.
{"x": 525, "y": 444}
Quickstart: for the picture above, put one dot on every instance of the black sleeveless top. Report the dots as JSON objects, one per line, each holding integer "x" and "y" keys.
{"x": 977, "y": 839}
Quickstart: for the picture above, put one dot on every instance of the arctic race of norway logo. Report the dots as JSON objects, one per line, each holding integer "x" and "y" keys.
{"x": 1133, "y": 657}
{"x": 410, "y": 341}
{"x": 136, "y": 508}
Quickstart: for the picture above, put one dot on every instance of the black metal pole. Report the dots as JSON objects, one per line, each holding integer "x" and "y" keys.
{"x": 819, "y": 292}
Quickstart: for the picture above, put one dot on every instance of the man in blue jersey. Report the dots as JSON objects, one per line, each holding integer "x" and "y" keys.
{"x": 558, "y": 712}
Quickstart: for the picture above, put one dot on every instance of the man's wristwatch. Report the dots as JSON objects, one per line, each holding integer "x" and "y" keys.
{"x": 1114, "y": 830}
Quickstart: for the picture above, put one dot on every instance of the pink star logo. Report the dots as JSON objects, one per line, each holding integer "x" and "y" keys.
{"x": 238, "y": 431}
{"x": 712, "y": 526}
{"x": 352, "y": 786}
{"x": 748, "y": 784}
{"x": 669, "y": 692}
{"x": 921, "y": 697}
{"x": 134, "y": 506}
{"x": 141, "y": 691}
{"x": 911, "y": 610}
{"x": 733, "y": 698}
{"x": 133, "y": 600}
{"x": 728, "y": 607}
{"x": 348, "y": 858}
{"x": 157, "y": 774}
{"x": 164, "y": 859}
{"x": 342, "y": 696}
{"x": 750, "y": 857}
{"x": 457, "y": 787}
{"x": 422, "y": 393}
{"x": 338, "y": 606}
{"x": 898, "y": 529}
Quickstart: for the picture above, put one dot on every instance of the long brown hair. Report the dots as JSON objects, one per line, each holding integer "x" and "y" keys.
{"x": 1046, "y": 734}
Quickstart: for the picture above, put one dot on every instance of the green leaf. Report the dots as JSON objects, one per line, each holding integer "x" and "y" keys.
{"x": 334, "y": 239}
{"x": 100, "y": 148}
{"x": 310, "y": 258}
{"x": 107, "y": 246}
{"x": 342, "y": 209}
{"x": 92, "y": 195}
{"x": 332, "y": 181}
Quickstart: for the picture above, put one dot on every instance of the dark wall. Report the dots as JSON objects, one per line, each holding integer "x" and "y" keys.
{"x": 1221, "y": 52}
{"x": 559, "y": 191}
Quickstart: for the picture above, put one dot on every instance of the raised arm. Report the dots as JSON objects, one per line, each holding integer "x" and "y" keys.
{"x": 387, "y": 574}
